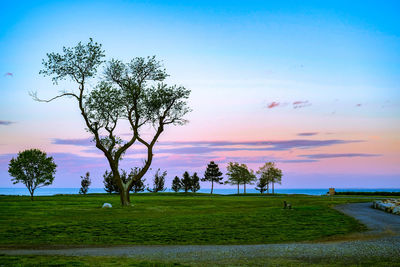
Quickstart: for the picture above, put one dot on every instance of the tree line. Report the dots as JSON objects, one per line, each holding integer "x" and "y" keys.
{"x": 34, "y": 169}
{"x": 238, "y": 174}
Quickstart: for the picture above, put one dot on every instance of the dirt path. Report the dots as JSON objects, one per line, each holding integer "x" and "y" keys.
{"x": 378, "y": 221}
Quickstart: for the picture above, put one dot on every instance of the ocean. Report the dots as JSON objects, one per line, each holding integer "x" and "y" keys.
{"x": 49, "y": 191}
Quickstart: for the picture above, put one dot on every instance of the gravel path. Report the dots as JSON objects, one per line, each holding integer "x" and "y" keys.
{"x": 379, "y": 222}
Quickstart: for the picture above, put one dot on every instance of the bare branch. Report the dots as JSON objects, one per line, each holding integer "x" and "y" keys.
{"x": 36, "y": 98}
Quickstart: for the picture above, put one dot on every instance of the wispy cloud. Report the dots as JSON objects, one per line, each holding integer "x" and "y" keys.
{"x": 301, "y": 104}
{"x": 307, "y": 134}
{"x": 6, "y": 122}
{"x": 8, "y": 74}
{"x": 358, "y": 105}
{"x": 74, "y": 141}
{"x": 341, "y": 155}
{"x": 205, "y": 147}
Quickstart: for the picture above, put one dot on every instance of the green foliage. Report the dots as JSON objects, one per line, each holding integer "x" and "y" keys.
{"x": 158, "y": 182}
{"x": 269, "y": 174}
{"x": 212, "y": 174}
{"x": 176, "y": 184}
{"x": 195, "y": 183}
{"x": 33, "y": 168}
{"x": 110, "y": 185}
{"x": 240, "y": 174}
{"x": 234, "y": 173}
{"x": 169, "y": 218}
{"x": 186, "y": 182}
{"x": 138, "y": 183}
{"x": 77, "y": 63}
{"x": 85, "y": 183}
{"x": 262, "y": 185}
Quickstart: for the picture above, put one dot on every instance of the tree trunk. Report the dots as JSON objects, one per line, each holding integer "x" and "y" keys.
{"x": 245, "y": 188}
{"x": 238, "y": 189}
{"x": 273, "y": 189}
{"x": 125, "y": 198}
{"x": 31, "y": 195}
{"x": 123, "y": 189}
{"x": 212, "y": 186}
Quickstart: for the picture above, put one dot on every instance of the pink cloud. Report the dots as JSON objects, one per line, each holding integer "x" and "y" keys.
{"x": 301, "y": 104}
{"x": 8, "y": 74}
{"x": 358, "y": 105}
{"x": 273, "y": 104}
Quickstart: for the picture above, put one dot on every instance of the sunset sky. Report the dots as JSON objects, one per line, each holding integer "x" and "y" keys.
{"x": 311, "y": 85}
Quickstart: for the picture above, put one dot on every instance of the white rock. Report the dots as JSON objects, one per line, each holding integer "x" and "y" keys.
{"x": 396, "y": 210}
{"x": 107, "y": 205}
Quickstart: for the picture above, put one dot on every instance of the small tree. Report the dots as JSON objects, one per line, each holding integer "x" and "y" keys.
{"x": 186, "y": 182}
{"x": 138, "y": 184}
{"x": 235, "y": 171}
{"x": 176, "y": 184}
{"x": 212, "y": 175}
{"x": 195, "y": 183}
{"x": 33, "y": 168}
{"x": 158, "y": 182}
{"x": 85, "y": 183}
{"x": 262, "y": 184}
{"x": 108, "y": 181}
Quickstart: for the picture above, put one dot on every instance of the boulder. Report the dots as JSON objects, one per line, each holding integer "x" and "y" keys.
{"x": 107, "y": 205}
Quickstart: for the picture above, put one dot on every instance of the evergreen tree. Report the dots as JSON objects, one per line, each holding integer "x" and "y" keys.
{"x": 263, "y": 184}
{"x": 176, "y": 184}
{"x": 212, "y": 175}
{"x": 138, "y": 185}
{"x": 108, "y": 181}
{"x": 158, "y": 182}
{"x": 195, "y": 184}
{"x": 85, "y": 183}
{"x": 186, "y": 182}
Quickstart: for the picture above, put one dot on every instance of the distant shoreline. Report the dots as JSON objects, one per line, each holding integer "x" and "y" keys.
{"x": 222, "y": 191}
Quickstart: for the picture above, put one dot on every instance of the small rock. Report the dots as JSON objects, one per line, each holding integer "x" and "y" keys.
{"x": 396, "y": 210}
{"x": 107, "y": 205}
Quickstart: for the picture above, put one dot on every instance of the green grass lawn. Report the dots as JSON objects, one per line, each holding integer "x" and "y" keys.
{"x": 75, "y": 220}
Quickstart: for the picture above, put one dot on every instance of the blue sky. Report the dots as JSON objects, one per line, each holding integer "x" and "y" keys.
{"x": 340, "y": 58}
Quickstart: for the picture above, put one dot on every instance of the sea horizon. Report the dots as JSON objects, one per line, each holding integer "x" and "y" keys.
{"x": 21, "y": 191}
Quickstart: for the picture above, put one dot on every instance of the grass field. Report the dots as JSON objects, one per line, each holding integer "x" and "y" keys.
{"x": 75, "y": 220}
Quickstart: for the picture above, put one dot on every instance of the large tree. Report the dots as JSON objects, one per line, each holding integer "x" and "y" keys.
{"x": 212, "y": 174}
{"x": 132, "y": 91}
{"x": 33, "y": 168}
